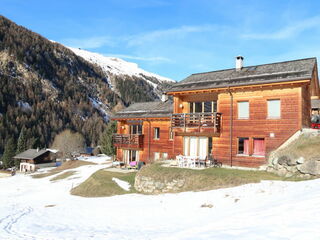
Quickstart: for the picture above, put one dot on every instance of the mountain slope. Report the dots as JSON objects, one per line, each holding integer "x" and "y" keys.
{"x": 120, "y": 72}
{"x": 46, "y": 88}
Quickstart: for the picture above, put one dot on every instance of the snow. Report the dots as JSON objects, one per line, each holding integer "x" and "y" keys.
{"x": 39, "y": 209}
{"x": 24, "y": 105}
{"x": 123, "y": 184}
{"x": 97, "y": 160}
{"x": 100, "y": 107}
{"x": 118, "y": 66}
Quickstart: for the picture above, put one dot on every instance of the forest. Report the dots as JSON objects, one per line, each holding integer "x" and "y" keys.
{"x": 46, "y": 88}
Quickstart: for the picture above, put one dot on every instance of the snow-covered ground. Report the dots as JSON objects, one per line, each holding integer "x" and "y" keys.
{"x": 98, "y": 160}
{"x": 40, "y": 209}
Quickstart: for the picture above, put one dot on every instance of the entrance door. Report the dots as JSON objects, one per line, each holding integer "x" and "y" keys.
{"x": 197, "y": 146}
{"x": 193, "y": 147}
{"x": 130, "y": 156}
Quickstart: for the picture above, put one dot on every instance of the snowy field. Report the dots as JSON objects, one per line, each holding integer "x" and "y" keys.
{"x": 40, "y": 209}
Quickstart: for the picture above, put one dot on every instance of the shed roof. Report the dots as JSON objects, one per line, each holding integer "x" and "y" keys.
{"x": 140, "y": 110}
{"x": 259, "y": 74}
{"x": 31, "y": 154}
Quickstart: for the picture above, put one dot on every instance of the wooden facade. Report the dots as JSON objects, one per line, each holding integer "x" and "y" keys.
{"x": 145, "y": 145}
{"x": 209, "y": 120}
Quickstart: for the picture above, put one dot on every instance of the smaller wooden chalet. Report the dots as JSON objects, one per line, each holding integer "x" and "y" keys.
{"x": 143, "y": 132}
{"x": 33, "y": 158}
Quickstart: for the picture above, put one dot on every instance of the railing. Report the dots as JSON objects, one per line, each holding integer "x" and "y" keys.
{"x": 197, "y": 120}
{"x": 128, "y": 140}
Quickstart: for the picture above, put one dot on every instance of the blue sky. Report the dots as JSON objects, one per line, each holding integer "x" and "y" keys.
{"x": 179, "y": 37}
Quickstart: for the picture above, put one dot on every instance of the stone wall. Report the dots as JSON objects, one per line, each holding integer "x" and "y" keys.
{"x": 285, "y": 163}
{"x": 149, "y": 185}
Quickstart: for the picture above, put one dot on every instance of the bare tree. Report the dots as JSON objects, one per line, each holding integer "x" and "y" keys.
{"x": 68, "y": 143}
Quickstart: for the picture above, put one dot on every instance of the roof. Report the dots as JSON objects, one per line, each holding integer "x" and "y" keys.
{"x": 31, "y": 154}
{"x": 140, "y": 110}
{"x": 88, "y": 150}
{"x": 261, "y": 74}
{"x": 315, "y": 103}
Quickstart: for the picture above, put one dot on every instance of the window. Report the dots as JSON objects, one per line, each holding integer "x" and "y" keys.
{"x": 207, "y": 106}
{"x": 156, "y": 156}
{"x": 258, "y": 147}
{"x": 171, "y": 134}
{"x": 210, "y": 106}
{"x": 156, "y": 133}
{"x": 130, "y": 156}
{"x": 243, "y": 110}
{"x": 136, "y": 129}
{"x": 243, "y": 146}
{"x": 164, "y": 156}
{"x": 196, "y": 146}
{"x": 274, "y": 108}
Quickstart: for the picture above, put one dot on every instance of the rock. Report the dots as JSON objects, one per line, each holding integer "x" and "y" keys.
{"x": 312, "y": 166}
{"x": 275, "y": 161}
{"x": 286, "y": 160}
{"x": 282, "y": 171}
{"x": 300, "y": 160}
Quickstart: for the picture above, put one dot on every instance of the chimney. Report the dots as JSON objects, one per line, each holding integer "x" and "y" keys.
{"x": 239, "y": 63}
{"x": 164, "y": 97}
{"x": 37, "y": 149}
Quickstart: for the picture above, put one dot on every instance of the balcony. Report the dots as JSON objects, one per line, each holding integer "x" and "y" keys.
{"x": 132, "y": 141}
{"x": 200, "y": 121}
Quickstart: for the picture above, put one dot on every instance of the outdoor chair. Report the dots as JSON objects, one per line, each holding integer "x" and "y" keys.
{"x": 191, "y": 162}
{"x": 213, "y": 162}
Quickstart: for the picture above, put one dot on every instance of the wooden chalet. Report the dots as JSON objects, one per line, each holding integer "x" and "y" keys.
{"x": 143, "y": 132}
{"x": 32, "y": 159}
{"x": 238, "y": 115}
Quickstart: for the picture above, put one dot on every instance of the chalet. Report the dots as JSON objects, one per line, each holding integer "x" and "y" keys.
{"x": 238, "y": 115}
{"x": 31, "y": 159}
{"x": 143, "y": 132}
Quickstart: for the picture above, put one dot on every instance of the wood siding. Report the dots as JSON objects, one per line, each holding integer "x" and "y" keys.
{"x": 295, "y": 106}
{"x": 150, "y": 144}
{"x": 273, "y": 131}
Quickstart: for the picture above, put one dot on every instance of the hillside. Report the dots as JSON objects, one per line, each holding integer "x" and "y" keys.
{"x": 46, "y": 88}
{"x": 120, "y": 72}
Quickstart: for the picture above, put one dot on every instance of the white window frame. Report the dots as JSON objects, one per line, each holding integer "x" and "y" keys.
{"x": 243, "y": 110}
{"x": 156, "y": 156}
{"x": 156, "y": 135}
{"x": 271, "y": 112}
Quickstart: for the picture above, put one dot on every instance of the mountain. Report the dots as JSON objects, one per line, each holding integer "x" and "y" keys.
{"x": 46, "y": 87}
{"x": 113, "y": 66}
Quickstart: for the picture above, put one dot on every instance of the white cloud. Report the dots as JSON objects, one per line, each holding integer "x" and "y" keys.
{"x": 182, "y": 31}
{"x": 89, "y": 43}
{"x": 148, "y": 59}
{"x": 287, "y": 32}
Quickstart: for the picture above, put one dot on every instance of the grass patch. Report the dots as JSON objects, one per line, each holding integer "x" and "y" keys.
{"x": 206, "y": 179}
{"x": 66, "y": 165}
{"x": 100, "y": 184}
{"x": 306, "y": 146}
{"x": 63, "y": 175}
{"x": 51, "y": 205}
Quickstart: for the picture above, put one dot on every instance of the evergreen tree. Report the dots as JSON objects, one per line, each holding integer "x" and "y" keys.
{"x": 22, "y": 141}
{"x": 106, "y": 139}
{"x": 9, "y": 153}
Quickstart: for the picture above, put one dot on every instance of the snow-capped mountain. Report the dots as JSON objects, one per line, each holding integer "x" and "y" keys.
{"x": 117, "y": 66}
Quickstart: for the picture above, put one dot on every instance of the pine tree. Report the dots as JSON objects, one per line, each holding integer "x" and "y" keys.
{"x": 22, "y": 141}
{"x": 9, "y": 153}
{"x": 106, "y": 139}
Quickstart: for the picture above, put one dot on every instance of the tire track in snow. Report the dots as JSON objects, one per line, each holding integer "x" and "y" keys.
{"x": 7, "y": 223}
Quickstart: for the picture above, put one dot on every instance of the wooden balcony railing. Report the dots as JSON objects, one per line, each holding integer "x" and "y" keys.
{"x": 128, "y": 140}
{"x": 197, "y": 120}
